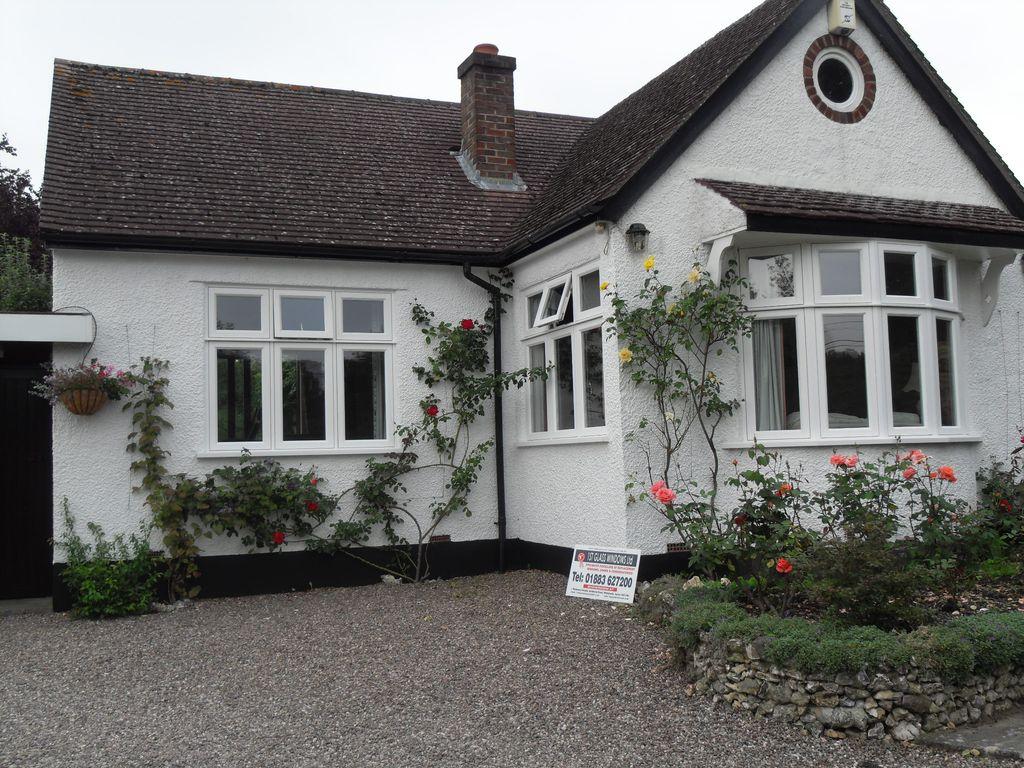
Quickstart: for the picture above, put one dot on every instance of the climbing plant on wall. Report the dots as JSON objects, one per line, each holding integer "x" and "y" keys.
{"x": 267, "y": 505}
{"x": 670, "y": 337}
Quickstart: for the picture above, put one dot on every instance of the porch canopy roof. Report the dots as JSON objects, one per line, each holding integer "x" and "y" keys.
{"x": 818, "y": 212}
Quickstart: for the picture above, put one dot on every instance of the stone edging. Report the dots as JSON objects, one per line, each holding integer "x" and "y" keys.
{"x": 897, "y": 705}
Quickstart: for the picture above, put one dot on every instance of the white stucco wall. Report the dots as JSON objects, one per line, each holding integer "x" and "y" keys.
{"x": 156, "y": 304}
{"x": 773, "y": 134}
{"x": 570, "y": 492}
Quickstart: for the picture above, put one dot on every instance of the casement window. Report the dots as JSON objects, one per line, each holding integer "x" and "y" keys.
{"x": 851, "y": 341}
{"x": 563, "y": 331}
{"x": 299, "y": 371}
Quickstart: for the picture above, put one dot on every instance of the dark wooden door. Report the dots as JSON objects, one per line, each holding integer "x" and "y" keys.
{"x": 26, "y": 482}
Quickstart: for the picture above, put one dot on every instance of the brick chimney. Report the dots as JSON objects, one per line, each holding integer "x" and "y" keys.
{"x": 488, "y": 153}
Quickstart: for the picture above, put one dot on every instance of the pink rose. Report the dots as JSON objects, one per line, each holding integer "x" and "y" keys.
{"x": 658, "y": 486}
{"x": 664, "y": 494}
{"x": 837, "y": 460}
{"x": 851, "y": 461}
{"x": 909, "y": 473}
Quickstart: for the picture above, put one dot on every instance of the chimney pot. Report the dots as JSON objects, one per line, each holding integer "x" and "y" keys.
{"x": 487, "y": 48}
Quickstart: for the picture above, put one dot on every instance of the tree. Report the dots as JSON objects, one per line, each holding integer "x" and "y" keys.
{"x": 19, "y": 203}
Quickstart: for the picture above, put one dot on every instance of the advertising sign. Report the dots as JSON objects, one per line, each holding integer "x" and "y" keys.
{"x": 600, "y": 573}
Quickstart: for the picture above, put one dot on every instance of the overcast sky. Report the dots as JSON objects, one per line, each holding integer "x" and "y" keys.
{"x": 574, "y": 56}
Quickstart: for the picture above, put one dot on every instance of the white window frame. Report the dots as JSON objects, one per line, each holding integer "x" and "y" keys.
{"x": 807, "y": 418}
{"x": 577, "y": 279}
{"x": 389, "y": 400}
{"x": 339, "y": 303}
{"x": 851, "y": 63}
{"x": 218, "y": 333}
{"x": 294, "y": 293}
{"x": 541, "y": 332}
{"x": 953, "y": 303}
{"x": 266, "y": 402}
{"x": 871, "y": 373}
{"x": 565, "y": 283}
{"x": 271, "y": 342}
{"x": 927, "y": 370}
{"x": 922, "y": 279}
{"x": 959, "y": 403}
{"x": 866, "y": 294}
{"x": 799, "y": 289}
{"x": 876, "y": 307}
{"x": 330, "y": 397}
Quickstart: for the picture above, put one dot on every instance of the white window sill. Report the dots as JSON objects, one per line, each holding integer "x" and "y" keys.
{"x": 567, "y": 440}
{"x": 837, "y": 442}
{"x": 284, "y": 452}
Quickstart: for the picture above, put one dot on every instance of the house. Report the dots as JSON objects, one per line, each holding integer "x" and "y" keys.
{"x": 237, "y": 227}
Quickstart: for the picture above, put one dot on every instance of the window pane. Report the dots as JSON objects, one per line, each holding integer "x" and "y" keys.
{"x": 303, "y": 397}
{"x": 590, "y": 291}
{"x": 905, "y": 372}
{"x": 840, "y": 273}
{"x": 364, "y": 395}
{"x": 554, "y": 297}
{"x": 538, "y": 392}
{"x": 771, "y": 277}
{"x": 532, "y": 305}
{"x": 940, "y": 278}
{"x": 239, "y": 313}
{"x": 845, "y": 371}
{"x": 239, "y": 396}
{"x": 302, "y": 313}
{"x": 899, "y": 274}
{"x": 947, "y": 376}
{"x": 593, "y": 373}
{"x": 776, "y": 375}
{"x": 563, "y": 383}
{"x": 362, "y": 316}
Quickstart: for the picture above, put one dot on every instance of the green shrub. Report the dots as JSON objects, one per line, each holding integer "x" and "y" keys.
{"x": 23, "y": 286}
{"x": 998, "y": 568}
{"x": 109, "y": 577}
{"x": 694, "y": 618}
{"x": 968, "y": 645}
{"x": 866, "y": 581}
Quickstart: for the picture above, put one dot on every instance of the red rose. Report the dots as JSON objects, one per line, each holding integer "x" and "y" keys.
{"x": 312, "y": 506}
{"x": 467, "y": 324}
{"x": 279, "y": 537}
{"x": 313, "y": 480}
{"x": 432, "y": 410}
{"x": 1005, "y": 505}
{"x": 740, "y": 519}
{"x": 783, "y": 566}
{"x": 784, "y": 489}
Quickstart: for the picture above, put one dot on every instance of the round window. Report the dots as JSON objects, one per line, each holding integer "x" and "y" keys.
{"x": 839, "y": 79}
{"x": 835, "y": 81}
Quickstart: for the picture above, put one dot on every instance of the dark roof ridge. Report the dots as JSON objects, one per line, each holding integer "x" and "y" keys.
{"x": 292, "y": 87}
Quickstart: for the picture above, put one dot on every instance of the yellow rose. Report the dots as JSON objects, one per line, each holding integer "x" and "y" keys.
{"x": 649, "y": 263}
{"x": 625, "y": 354}
{"x": 694, "y": 276}
{"x": 604, "y": 286}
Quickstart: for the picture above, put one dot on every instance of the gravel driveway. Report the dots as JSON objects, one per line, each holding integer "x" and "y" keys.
{"x": 486, "y": 671}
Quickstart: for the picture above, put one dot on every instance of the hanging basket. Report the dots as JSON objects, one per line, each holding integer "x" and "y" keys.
{"x": 83, "y": 402}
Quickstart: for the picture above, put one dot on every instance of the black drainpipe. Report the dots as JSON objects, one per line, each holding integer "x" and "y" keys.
{"x": 499, "y": 432}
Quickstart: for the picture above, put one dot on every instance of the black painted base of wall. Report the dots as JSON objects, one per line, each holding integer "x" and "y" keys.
{"x": 264, "y": 573}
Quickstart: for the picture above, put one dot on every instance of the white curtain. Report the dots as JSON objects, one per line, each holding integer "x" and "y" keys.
{"x": 769, "y": 375}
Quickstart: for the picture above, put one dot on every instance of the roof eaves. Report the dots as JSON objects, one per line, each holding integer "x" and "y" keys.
{"x": 55, "y": 238}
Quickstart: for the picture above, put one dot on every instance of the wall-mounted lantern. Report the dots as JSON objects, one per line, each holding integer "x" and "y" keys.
{"x": 637, "y": 237}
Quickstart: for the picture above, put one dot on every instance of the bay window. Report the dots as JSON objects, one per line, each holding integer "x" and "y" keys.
{"x": 299, "y": 370}
{"x": 564, "y": 333}
{"x": 850, "y": 341}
